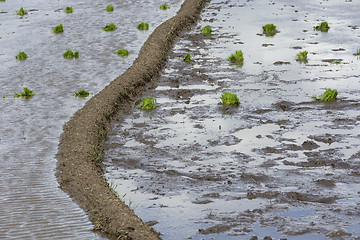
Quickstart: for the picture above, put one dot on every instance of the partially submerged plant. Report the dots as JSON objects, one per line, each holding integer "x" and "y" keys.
{"x": 336, "y": 62}
{"x": 269, "y": 30}
{"x": 110, "y": 27}
{"x": 26, "y": 94}
{"x": 164, "y": 6}
{"x": 230, "y": 99}
{"x": 58, "y": 29}
{"x": 148, "y": 103}
{"x": 357, "y": 53}
{"x": 143, "y": 26}
{"x": 187, "y": 57}
{"x": 70, "y": 54}
{"x": 68, "y": 10}
{"x": 206, "y": 30}
{"x": 302, "y": 56}
{"x": 21, "y": 56}
{"x": 237, "y": 57}
{"x": 123, "y": 52}
{"x": 81, "y": 93}
{"x": 21, "y": 12}
{"x": 327, "y": 96}
{"x": 324, "y": 27}
{"x": 109, "y": 8}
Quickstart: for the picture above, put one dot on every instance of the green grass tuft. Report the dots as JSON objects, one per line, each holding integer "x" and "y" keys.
{"x": 143, "y": 26}
{"x": 230, "y": 99}
{"x": 26, "y": 94}
{"x": 187, "y": 58}
{"x": 206, "y": 30}
{"x": 148, "y": 103}
{"x": 68, "y": 10}
{"x": 81, "y": 93}
{"x": 323, "y": 27}
{"x": 123, "y": 52}
{"x": 237, "y": 57}
{"x": 270, "y": 30}
{"x": 302, "y": 56}
{"x": 109, "y": 8}
{"x": 21, "y": 12}
{"x": 21, "y": 56}
{"x": 70, "y": 54}
{"x": 110, "y": 27}
{"x": 329, "y": 95}
{"x": 357, "y": 53}
{"x": 58, "y": 29}
{"x": 164, "y": 6}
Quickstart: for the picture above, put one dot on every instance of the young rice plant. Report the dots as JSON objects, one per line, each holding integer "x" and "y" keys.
{"x": 148, "y": 103}
{"x": 231, "y": 99}
{"x": 26, "y": 94}
{"x": 21, "y": 56}
{"x": 187, "y": 57}
{"x": 164, "y": 6}
{"x": 270, "y": 30}
{"x": 357, "y": 53}
{"x": 110, "y": 27}
{"x": 21, "y": 12}
{"x": 68, "y": 10}
{"x": 206, "y": 30}
{"x": 328, "y": 95}
{"x": 109, "y": 8}
{"x": 237, "y": 57}
{"x": 81, "y": 93}
{"x": 70, "y": 54}
{"x": 323, "y": 27}
{"x": 58, "y": 29}
{"x": 302, "y": 56}
{"x": 123, "y": 52}
{"x": 143, "y": 26}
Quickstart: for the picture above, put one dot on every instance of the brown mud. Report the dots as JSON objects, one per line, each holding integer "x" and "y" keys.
{"x": 80, "y": 152}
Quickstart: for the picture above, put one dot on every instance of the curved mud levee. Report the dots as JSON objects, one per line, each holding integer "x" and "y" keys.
{"x": 79, "y": 171}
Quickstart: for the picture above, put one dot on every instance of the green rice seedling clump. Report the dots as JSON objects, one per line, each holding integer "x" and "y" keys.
{"x": 164, "y": 6}
{"x": 357, "y": 53}
{"x": 58, "y": 29}
{"x": 324, "y": 27}
{"x": 187, "y": 57}
{"x": 25, "y": 94}
{"x": 206, "y": 30}
{"x": 228, "y": 98}
{"x": 110, "y": 27}
{"x": 123, "y": 52}
{"x": 269, "y": 30}
{"x": 81, "y": 93}
{"x": 336, "y": 62}
{"x": 327, "y": 96}
{"x": 21, "y": 56}
{"x": 109, "y": 8}
{"x": 68, "y": 10}
{"x": 237, "y": 57}
{"x": 21, "y": 12}
{"x": 143, "y": 26}
{"x": 2, "y": 0}
{"x": 302, "y": 56}
{"x": 148, "y": 103}
{"x": 70, "y": 54}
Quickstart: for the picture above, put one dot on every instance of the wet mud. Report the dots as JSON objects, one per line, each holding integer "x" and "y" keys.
{"x": 278, "y": 166}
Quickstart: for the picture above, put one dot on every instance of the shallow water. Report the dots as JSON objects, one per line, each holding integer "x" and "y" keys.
{"x": 31, "y": 204}
{"x": 279, "y": 165}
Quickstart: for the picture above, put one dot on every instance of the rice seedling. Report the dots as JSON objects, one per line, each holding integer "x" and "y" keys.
{"x": 323, "y": 27}
{"x": 81, "y": 93}
{"x": 123, "y": 52}
{"x": 237, "y": 57}
{"x": 187, "y": 58}
{"x": 328, "y": 95}
{"x": 21, "y": 12}
{"x": 148, "y": 103}
{"x": 143, "y": 26}
{"x": 270, "y": 30}
{"x": 21, "y": 56}
{"x": 206, "y": 30}
{"x": 357, "y": 53}
{"x": 25, "y": 94}
{"x": 70, "y": 54}
{"x": 335, "y": 62}
{"x": 58, "y": 29}
{"x": 110, "y": 27}
{"x": 164, "y": 7}
{"x": 68, "y": 10}
{"x": 2, "y": 0}
{"x": 231, "y": 99}
{"x": 109, "y": 8}
{"x": 302, "y": 56}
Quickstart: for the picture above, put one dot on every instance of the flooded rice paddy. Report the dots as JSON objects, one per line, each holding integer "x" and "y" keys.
{"x": 31, "y": 204}
{"x": 280, "y": 165}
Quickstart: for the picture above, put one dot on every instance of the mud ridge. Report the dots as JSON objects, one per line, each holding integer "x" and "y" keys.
{"x": 79, "y": 170}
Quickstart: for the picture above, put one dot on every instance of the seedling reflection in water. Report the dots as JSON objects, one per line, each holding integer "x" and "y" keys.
{"x": 329, "y": 95}
{"x": 68, "y": 10}
{"x": 21, "y": 12}
{"x": 302, "y": 56}
{"x": 21, "y": 56}
{"x": 143, "y": 26}
{"x": 26, "y": 94}
{"x": 109, "y": 8}
{"x": 187, "y": 57}
{"x": 164, "y": 6}
{"x": 231, "y": 99}
{"x": 237, "y": 57}
{"x": 123, "y": 52}
{"x": 58, "y": 29}
{"x": 148, "y": 103}
{"x": 270, "y": 30}
{"x": 206, "y": 30}
{"x": 110, "y": 27}
{"x": 70, "y": 54}
{"x": 81, "y": 93}
{"x": 323, "y": 27}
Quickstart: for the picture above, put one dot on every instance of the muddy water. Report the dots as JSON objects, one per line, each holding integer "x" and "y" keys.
{"x": 279, "y": 165}
{"x": 31, "y": 205}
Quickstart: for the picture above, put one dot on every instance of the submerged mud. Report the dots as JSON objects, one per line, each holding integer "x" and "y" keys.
{"x": 278, "y": 166}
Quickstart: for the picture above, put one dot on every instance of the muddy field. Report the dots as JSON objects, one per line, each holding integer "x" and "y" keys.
{"x": 280, "y": 164}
